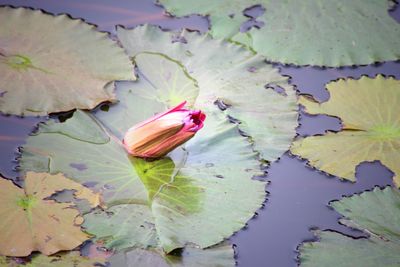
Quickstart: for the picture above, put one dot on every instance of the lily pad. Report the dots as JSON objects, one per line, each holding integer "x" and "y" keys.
{"x": 66, "y": 66}
{"x": 34, "y": 223}
{"x": 323, "y": 33}
{"x": 369, "y": 109}
{"x": 219, "y": 256}
{"x": 200, "y": 194}
{"x": 376, "y": 213}
{"x": 249, "y": 89}
{"x": 216, "y": 168}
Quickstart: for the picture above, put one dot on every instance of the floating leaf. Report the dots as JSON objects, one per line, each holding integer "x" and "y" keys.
{"x": 378, "y": 214}
{"x": 250, "y": 90}
{"x": 200, "y": 194}
{"x": 34, "y": 223}
{"x": 369, "y": 109}
{"x": 209, "y": 179}
{"x": 55, "y": 63}
{"x": 219, "y": 256}
{"x": 326, "y": 33}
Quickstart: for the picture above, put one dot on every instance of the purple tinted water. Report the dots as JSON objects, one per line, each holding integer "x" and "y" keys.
{"x": 298, "y": 195}
{"x": 13, "y": 132}
{"x": 252, "y": 13}
{"x": 107, "y": 14}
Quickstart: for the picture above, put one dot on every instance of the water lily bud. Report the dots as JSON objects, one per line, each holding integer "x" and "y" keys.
{"x": 163, "y": 132}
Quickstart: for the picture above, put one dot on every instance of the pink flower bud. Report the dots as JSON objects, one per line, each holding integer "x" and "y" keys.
{"x": 163, "y": 132}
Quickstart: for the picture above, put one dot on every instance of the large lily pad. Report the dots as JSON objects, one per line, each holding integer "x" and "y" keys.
{"x": 254, "y": 92}
{"x": 55, "y": 63}
{"x": 213, "y": 175}
{"x": 308, "y": 32}
{"x": 378, "y": 214}
{"x": 200, "y": 194}
{"x": 31, "y": 222}
{"x": 369, "y": 109}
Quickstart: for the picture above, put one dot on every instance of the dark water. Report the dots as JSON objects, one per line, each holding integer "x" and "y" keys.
{"x": 13, "y": 132}
{"x": 106, "y": 14}
{"x": 298, "y": 195}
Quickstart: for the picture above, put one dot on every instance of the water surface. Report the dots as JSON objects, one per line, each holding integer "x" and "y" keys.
{"x": 298, "y": 195}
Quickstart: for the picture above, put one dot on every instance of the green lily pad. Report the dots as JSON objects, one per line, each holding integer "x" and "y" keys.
{"x": 253, "y": 91}
{"x": 376, "y": 213}
{"x": 202, "y": 191}
{"x": 322, "y": 33}
{"x": 369, "y": 110}
{"x": 200, "y": 194}
{"x": 55, "y": 63}
{"x": 219, "y": 256}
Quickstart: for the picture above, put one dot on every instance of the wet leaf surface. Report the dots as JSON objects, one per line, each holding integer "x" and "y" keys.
{"x": 369, "y": 110}
{"x": 321, "y": 33}
{"x": 42, "y": 70}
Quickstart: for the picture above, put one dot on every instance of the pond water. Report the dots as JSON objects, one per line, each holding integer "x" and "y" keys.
{"x": 298, "y": 195}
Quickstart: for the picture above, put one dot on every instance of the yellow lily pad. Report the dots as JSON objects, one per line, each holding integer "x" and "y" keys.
{"x": 369, "y": 109}
{"x": 32, "y": 222}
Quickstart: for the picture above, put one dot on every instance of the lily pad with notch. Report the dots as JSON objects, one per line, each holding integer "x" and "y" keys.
{"x": 369, "y": 110}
